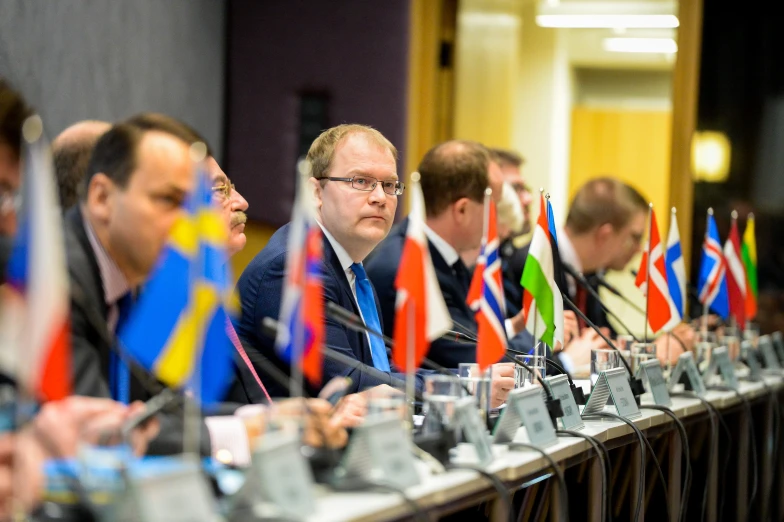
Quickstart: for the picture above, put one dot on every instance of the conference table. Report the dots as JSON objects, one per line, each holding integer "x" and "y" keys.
{"x": 743, "y": 480}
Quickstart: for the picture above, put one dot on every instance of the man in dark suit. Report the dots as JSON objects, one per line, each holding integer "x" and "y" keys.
{"x": 356, "y": 188}
{"x": 454, "y": 177}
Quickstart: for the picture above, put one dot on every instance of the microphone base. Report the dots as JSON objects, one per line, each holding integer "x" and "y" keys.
{"x": 555, "y": 411}
{"x": 637, "y": 387}
{"x": 437, "y": 444}
{"x": 578, "y": 394}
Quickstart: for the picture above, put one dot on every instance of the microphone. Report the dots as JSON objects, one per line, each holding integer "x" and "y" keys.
{"x": 584, "y": 283}
{"x": 270, "y": 328}
{"x": 603, "y": 282}
{"x": 634, "y": 383}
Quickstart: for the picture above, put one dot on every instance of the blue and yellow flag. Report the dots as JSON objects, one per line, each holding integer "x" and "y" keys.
{"x": 177, "y": 330}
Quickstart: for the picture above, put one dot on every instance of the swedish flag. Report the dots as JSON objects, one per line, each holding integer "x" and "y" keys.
{"x": 177, "y": 330}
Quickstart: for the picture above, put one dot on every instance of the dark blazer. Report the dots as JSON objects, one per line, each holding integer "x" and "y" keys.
{"x": 92, "y": 342}
{"x": 261, "y": 289}
{"x": 382, "y": 268}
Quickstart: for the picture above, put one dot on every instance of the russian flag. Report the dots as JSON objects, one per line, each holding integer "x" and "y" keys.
{"x": 36, "y": 309}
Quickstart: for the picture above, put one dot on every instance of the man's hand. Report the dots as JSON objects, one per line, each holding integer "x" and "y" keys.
{"x": 503, "y": 383}
{"x": 350, "y": 411}
{"x": 685, "y": 333}
{"x": 579, "y": 350}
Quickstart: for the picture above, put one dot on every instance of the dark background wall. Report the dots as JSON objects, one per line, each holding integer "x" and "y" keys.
{"x": 742, "y": 95}
{"x": 99, "y": 59}
{"x": 347, "y": 60}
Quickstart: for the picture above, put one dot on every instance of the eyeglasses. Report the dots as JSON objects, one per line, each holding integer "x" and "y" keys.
{"x": 223, "y": 191}
{"x": 368, "y": 184}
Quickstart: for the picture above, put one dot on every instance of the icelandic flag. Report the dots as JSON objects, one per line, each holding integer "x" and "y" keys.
{"x": 712, "y": 281}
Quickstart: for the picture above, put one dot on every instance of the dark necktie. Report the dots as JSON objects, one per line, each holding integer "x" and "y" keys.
{"x": 462, "y": 274}
{"x": 581, "y": 300}
{"x": 367, "y": 306}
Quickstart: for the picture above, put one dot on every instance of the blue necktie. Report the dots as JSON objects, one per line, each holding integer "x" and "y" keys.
{"x": 119, "y": 373}
{"x": 367, "y": 305}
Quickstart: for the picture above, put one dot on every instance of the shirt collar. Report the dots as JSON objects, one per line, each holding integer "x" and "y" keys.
{"x": 114, "y": 283}
{"x": 446, "y": 250}
{"x": 343, "y": 257}
{"x": 567, "y": 251}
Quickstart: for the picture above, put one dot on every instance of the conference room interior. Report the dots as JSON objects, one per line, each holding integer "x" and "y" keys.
{"x": 687, "y": 109}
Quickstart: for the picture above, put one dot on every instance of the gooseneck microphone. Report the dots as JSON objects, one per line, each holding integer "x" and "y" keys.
{"x": 583, "y": 282}
{"x": 634, "y": 383}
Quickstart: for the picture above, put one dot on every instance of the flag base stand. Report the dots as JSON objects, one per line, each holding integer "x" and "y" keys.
{"x": 437, "y": 444}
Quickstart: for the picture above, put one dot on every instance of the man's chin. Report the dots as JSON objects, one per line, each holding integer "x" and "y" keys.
{"x": 236, "y": 243}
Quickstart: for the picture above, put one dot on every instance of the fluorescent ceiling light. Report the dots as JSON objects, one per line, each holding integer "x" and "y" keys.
{"x": 608, "y": 21}
{"x": 640, "y": 45}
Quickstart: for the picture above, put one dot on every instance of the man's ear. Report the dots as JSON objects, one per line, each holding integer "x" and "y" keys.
{"x": 316, "y": 188}
{"x": 460, "y": 210}
{"x": 603, "y": 233}
{"x": 100, "y": 196}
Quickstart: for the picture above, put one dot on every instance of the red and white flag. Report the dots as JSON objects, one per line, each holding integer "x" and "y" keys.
{"x": 736, "y": 275}
{"x": 35, "y": 310}
{"x": 662, "y": 313}
{"x": 421, "y": 315}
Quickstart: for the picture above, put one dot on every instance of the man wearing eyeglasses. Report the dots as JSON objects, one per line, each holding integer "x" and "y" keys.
{"x": 356, "y": 189}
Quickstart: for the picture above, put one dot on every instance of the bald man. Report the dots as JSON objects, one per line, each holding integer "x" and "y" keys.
{"x": 71, "y": 152}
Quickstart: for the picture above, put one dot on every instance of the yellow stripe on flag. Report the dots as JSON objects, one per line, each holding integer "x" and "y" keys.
{"x": 175, "y": 365}
{"x": 212, "y": 228}
{"x": 184, "y": 236}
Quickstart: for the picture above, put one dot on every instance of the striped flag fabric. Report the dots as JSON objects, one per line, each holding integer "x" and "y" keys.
{"x": 177, "y": 329}
{"x": 302, "y": 303}
{"x": 736, "y": 274}
{"x": 652, "y": 281}
{"x": 35, "y": 310}
{"x": 676, "y": 268}
{"x": 542, "y": 300}
{"x": 749, "y": 255}
{"x": 419, "y": 299}
{"x": 558, "y": 315}
{"x": 486, "y": 294}
{"x": 712, "y": 281}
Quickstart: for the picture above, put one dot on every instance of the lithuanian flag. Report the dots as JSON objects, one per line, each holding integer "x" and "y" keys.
{"x": 749, "y": 256}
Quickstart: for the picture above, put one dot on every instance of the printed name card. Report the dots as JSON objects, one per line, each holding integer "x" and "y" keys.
{"x": 531, "y": 407}
{"x": 613, "y": 383}
{"x": 686, "y": 366}
{"x": 726, "y": 369}
{"x": 652, "y": 374}
{"x": 559, "y": 387}
{"x": 473, "y": 429}
{"x": 282, "y": 475}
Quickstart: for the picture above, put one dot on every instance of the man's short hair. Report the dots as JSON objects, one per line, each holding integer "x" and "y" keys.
{"x": 322, "y": 150}
{"x": 71, "y": 159}
{"x": 115, "y": 152}
{"x": 604, "y": 200}
{"x": 453, "y": 170}
{"x": 506, "y": 157}
{"x": 13, "y": 112}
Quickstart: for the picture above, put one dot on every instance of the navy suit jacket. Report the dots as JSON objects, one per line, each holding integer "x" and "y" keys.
{"x": 261, "y": 289}
{"x": 381, "y": 268}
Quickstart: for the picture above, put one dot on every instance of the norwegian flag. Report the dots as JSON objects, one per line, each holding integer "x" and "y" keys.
{"x": 712, "y": 281}
{"x": 662, "y": 313}
{"x": 486, "y": 296}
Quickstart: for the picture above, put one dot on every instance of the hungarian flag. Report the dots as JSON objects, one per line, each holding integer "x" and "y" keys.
{"x": 542, "y": 301}
{"x": 748, "y": 252}
{"x": 36, "y": 308}
{"x": 420, "y": 311}
{"x": 486, "y": 294}
{"x": 652, "y": 281}
{"x": 736, "y": 275}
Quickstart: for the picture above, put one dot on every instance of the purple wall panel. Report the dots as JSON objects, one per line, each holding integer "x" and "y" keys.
{"x": 355, "y": 51}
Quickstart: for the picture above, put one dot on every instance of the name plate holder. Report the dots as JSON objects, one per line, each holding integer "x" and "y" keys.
{"x": 174, "y": 490}
{"x": 380, "y": 452}
{"x": 750, "y": 360}
{"x": 559, "y": 387}
{"x": 280, "y": 475}
{"x": 778, "y": 343}
{"x": 720, "y": 360}
{"x": 536, "y": 419}
{"x": 686, "y": 366}
{"x": 769, "y": 357}
{"x": 473, "y": 429}
{"x": 509, "y": 421}
{"x": 613, "y": 383}
{"x": 652, "y": 374}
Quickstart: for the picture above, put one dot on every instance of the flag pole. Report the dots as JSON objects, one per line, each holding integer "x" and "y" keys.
{"x": 738, "y": 327}
{"x": 411, "y": 340}
{"x": 648, "y": 270}
{"x": 705, "y": 304}
{"x": 667, "y": 365}
{"x": 537, "y": 343}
